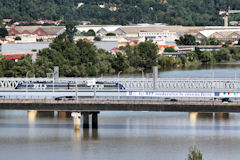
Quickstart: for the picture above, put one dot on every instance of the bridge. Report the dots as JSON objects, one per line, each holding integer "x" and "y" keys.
{"x": 97, "y": 105}
{"x": 83, "y": 108}
{"x": 139, "y": 84}
{"x": 140, "y": 94}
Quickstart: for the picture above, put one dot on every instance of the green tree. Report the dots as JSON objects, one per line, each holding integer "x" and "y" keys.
{"x": 17, "y": 38}
{"x": 207, "y": 57}
{"x": 97, "y": 38}
{"x": 90, "y": 33}
{"x": 169, "y": 49}
{"x": 3, "y": 32}
{"x": 148, "y": 53}
{"x": 187, "y": 39}
{"x": 120, "y": 62}
{"x": 70, "y": 31}
{"x": 110, "y": 34}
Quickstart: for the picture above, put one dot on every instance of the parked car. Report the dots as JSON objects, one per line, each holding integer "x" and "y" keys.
{"x": 226, "y": 100}
{"x": 170, "y": 100}
{"x": 65, "y": 98}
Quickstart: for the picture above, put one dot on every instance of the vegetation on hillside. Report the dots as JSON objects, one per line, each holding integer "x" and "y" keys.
{"x": 182, "y": 12}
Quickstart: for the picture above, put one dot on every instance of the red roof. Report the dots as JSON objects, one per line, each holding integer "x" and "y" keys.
{"x": 23, "y": 22}
{"x": 7, "y": 20}
{"x": 115, "y": 49}
{"x": 15, "y": 56}
{"x": 49, "y": 21}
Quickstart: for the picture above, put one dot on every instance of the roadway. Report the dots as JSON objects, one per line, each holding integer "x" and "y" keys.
{"x": 90, "y": 105}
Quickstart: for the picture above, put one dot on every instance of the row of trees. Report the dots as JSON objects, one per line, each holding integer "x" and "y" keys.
{"x": 82, "y": 59}
{"x": 189, "y": 39}
{"x": 182, "y": 12}
{"x": 225, "y": 54}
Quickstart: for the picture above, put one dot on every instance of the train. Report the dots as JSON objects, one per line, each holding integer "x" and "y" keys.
{"x": 69, "y": 85}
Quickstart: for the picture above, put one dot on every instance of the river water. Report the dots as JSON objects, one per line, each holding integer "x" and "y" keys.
{"x": 125, "y": 135}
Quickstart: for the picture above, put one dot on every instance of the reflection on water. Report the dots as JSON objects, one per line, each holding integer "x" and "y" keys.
{"x": 134, "y": 135}
{"x": 32, "y": 115}
{"x": 196, "y": 117}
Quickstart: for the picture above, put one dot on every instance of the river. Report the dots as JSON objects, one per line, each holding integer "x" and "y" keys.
{"x": 125, "y": 135}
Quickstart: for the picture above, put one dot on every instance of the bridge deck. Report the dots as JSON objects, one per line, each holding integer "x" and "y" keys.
{"x": 119, "y": 105}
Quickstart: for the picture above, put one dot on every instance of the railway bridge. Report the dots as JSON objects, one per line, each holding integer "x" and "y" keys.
{"x": 140, "y": 94}
{"x": 139, "y": 84}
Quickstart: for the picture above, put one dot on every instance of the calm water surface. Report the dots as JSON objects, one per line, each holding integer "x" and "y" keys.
{"x": 125, "y": 135}
{"x": 121, "y": 135}
{"x": 229, "y": 70}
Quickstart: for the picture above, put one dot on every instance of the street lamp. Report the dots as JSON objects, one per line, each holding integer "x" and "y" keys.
{"x": 118, "y": 83}
{"x": 143, "y": 79}
{"x": 53, "y": 79}
{"x": 27, "y": 84}
{"x": 213, "y": 85}
{"x": 76, "y": 90}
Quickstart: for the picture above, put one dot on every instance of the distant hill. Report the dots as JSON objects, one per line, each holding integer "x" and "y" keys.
{"x": 184, "y": 12}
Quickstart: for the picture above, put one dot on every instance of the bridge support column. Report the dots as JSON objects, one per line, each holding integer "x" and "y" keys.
{"x": 95, "y": 120}
{"x": 76, "y": 120}
{"x": 85, "y": 119}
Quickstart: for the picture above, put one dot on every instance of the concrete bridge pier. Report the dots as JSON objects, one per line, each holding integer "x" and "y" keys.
{"x": 95, "y": 120}
{"x": 76, "y": 120}
{"x": 85, "y": 119}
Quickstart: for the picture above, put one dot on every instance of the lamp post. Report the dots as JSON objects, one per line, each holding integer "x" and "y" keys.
{"x": 143, "y": 79}
{"x": 76, "y": 91}
{"x": 118, "y": 83}
{"x": 27, "y": 84}
{"x": 53, "y": 79}
{"x": 213, "y": 85}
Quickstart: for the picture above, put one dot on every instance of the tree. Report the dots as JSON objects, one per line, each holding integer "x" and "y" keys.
{"x": 169, "y": 49}
{"x": 187, "y": 39}
{"x": 194, "y": 154}
{"x": 17, "y": 38}
{"x": 70, "y": 31}
{"x": 3, "y": 32}
{"x": 210, "y": 41}
{"x": 120, "y": 62}
{"x": 110, "y": 34}
{"x": 97, "y": 38}
{"x": 91, "y": 33}
{"x": 207, "y": 57}
{"x": 148, "y": 53}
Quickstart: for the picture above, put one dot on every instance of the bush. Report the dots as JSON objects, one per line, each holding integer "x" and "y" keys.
{"x": 169, "y": 49}
{"x": 18, "y": 38}
{"x": 194, "y": 154}
{"x": 97, "y": 38}
{"x": 110, "y": 34}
